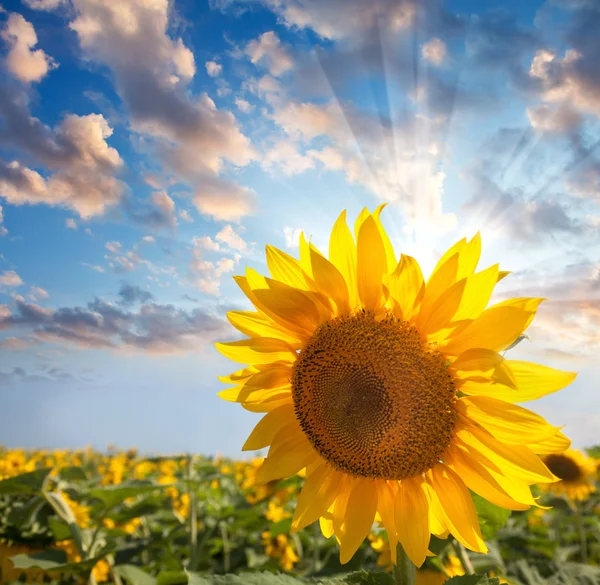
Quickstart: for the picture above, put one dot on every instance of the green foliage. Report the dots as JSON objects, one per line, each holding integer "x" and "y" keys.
{"x": 26, "y": 483}
{"x": 134, "y": 575}
{"x": 473, "y": 580}
{"x": 491, "y": 517}
{"x": 245, "y": 579}
{"x": 150, "y": 521}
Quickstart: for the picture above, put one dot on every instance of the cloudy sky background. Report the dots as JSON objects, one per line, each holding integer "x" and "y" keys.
{"x": 150, "y": 149}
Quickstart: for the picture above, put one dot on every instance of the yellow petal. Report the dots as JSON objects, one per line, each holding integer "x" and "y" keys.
{"x": 360, "y": 513}
{"x": 412, "y": 519}
{"x": 305, "y": 255}
{"x": 438, "y": 283}
{"x": 437, "y": 523}
{"x": 238, "y": 376}
{"x": 330, "y": 282}
{"x": 254, "y": 396}
{"x": 270, "y": 403}
{"x": 406, "y": 287}
{"x": 496, "y": 329}
{"x": 507, "y": 422}
{"x": 468, "y": 253}
{"x": 556, "y": 444}
{"x": 387, "y": 244}
{"x": 255, "y": 324}
{"x": 371, "y": 265}
{"x": 342, "y": 254}
{"x": 295, "y": 308}
{"x": 386, "y": 508}
{"x": 463, "y": 301}
{"x": 532, "y": 381}
{"x": 512, "y": 460}
{"x": 264, "y": 432}
{"x": 270, "y": 376}
{"x": 457, "y": 505}
{"x": 517, "y": 489}
{"x": 318, "y": 493}
{"x": 361, "y": 218}
{"x": 285, "y": 268}
{"x": 289, "y": 453}
{"x": 485, "y": 364}
{"x": 480, "y": 481}
{"x": 326, "y": 525}
{"x": 257, "y": 350}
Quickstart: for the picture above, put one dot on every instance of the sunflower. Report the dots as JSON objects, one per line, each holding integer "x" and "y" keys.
{"x": 576, "y": 472}
{"x": 390, "y": 391}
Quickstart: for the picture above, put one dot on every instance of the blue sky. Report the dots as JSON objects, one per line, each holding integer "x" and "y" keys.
{"x": 150, "y": 149}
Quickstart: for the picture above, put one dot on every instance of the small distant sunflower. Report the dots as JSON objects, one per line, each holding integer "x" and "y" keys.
{"x": 389, "y": 390}
{"x": 576, "y": 472}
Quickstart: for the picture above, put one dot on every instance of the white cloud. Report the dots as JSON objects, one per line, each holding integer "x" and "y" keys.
{"x": 285, "y": 155}
{"x": 166, "y": 206}
{"x": 3, "y": 230}
{"x": 434, "y": 51}
{"x": 213, "y": 68}
{"x": 114, "y": 247}
{"x": 329, "y": 157}
{"x": 292, "y": 237}
{"x": 229, "y": 236}
{"x": 204, "y": 274}
{"x": 224, "y": 200}
{"x": 148, "y": 240}
{"x": 193, "y": 137}
{"x": 267, "y": 49}
{"x": 36, "y": 293}
{"x": 84, "y": 180}
{"x": 10, "y": 278}
{"x": 94, "y": 267}
{"x": 205, "y": 243}
{"x": 44, "y": 4}
{"x": 385, "y": 159}
{"x": 243, "y": 105}
{"x": 567, "y": 80}
{"x": 71, "y": 223}
{"x": 25, "y": 63}
{"x": 184, "y": 215}
{"x": 560, "y": 120}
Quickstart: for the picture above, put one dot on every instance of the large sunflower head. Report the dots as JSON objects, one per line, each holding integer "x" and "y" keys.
{"x": 576, "y": 471}
{"x": 389, "y": 390}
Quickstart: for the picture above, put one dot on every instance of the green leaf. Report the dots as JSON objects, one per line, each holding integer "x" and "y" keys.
{"x": 22, "y": 516}
{"x": 60, "y": 529}
{"x": 473, "y": 580}
{"x": 171, "y": 578}
{"x": 491, "y": 517}
{"x": 114, "y": 495}
{"x": 437, "y": 545}
{"x": 282, "y": 527}
{"x": 367, "y": 578}
{"x": 47, "y": 560}
{"x": 52, "y": 560}
{"x": 134, "y": 575}
{"x": 243, "y": 579}
{"x": 72, "y": 473}
{"x": 26, "y": 483}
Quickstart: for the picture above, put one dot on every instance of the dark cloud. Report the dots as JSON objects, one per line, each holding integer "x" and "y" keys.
{"x": 131, "y": 294}
{"x": 50, "y": 377}
{"x": 101, "y": 325}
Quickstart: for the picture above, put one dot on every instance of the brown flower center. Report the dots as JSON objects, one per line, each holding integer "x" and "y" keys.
{"x": 373, "y": 399}
{"x": 563, "y": 467}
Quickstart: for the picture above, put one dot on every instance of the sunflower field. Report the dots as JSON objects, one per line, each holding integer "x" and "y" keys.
{"x": 117, "y": 517}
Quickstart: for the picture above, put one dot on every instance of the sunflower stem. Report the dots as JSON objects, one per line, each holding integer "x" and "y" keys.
{"x": 465, "y": 561}
{"x": 404, "y": 570}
